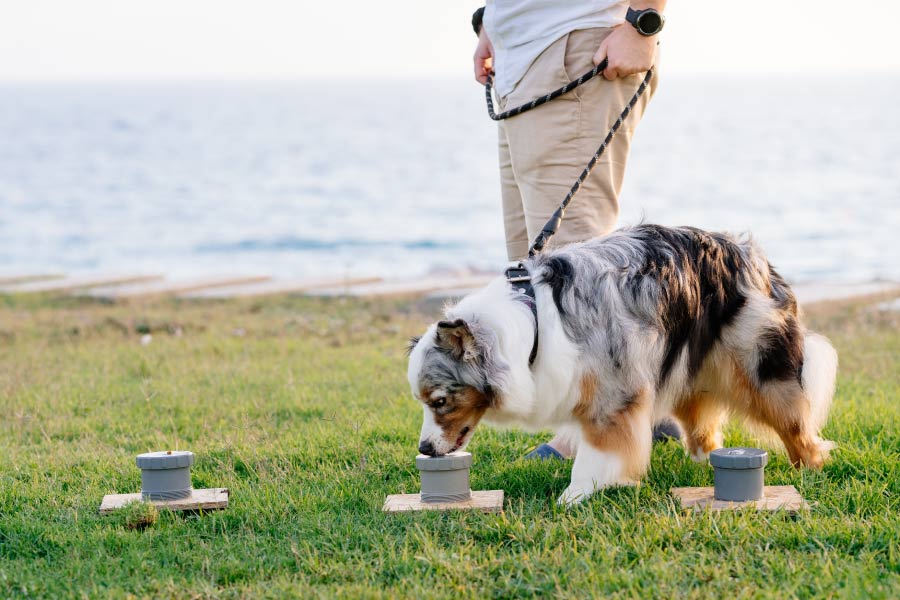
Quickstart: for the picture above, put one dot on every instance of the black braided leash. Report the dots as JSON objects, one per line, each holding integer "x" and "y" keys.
{"x": 489, "y": 84}
{"x": 518, "y": 276}
{"x": 552, "y": 226}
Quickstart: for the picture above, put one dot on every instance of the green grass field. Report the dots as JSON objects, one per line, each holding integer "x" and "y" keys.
{"x": 301, "y": 408}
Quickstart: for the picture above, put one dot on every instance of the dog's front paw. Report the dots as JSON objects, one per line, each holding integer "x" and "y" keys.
{"x": 573, "y": 495}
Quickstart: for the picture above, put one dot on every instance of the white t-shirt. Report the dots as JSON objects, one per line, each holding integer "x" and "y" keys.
{"x": 520, "y": 30}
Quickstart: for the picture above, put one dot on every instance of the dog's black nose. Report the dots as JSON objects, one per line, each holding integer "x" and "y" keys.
{"x": 426, "y": 447}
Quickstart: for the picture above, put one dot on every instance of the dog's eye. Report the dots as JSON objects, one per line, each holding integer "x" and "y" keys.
{"x": 439, "y": 403}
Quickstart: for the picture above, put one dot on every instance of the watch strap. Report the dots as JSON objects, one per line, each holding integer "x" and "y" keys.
{"x": 632, "y": 16}
{"x": 477, "y": 18}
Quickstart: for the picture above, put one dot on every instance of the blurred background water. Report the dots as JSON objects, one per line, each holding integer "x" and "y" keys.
{"x": 399, "y": 178}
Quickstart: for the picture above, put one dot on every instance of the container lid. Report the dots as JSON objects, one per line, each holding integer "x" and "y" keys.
{"x": 738, "y": 458}
{"x": 448, "y": 462}
{"x": 166, "y": 459}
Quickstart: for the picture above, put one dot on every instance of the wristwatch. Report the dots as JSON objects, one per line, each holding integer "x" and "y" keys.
{"x": 648, "y": 21}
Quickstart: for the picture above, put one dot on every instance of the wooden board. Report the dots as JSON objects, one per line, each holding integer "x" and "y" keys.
{"x": 272, "y": 288}
{"x": 68, "y": 284}
{"x": 9, "y": 279}
{"x": 169, "y": 288}
{"x": 412, "y": 287}
{"x": 775, "y": 497}
{"x": 206, "y": 499}
{"x": 452, "y": 293}
{"x": 485, "y": 501}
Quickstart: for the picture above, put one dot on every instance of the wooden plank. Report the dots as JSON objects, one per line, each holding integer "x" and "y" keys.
{"x": 486, "y": 501}
{"x": 452, "y": 293}
{"x": 810, "y": 293}
{"x": 206, "y": 499}
{"x": 168, "y": 288}
{"x": 10, "y": 279}
{"x": 411, "y": 287}
{"x": 775, "y": 497}
{"x": 69, "y": 284}
{"x": 272, "y": 288}
{"x": 889, "y": 306}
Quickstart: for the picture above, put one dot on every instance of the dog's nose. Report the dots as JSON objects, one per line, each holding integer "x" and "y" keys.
{"x": 426, "y": 447}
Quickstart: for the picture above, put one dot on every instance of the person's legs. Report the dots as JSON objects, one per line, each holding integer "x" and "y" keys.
{"x": 542, "y": 153}
{"x": 513, "y": 210}
{"x": 550, "y": 146}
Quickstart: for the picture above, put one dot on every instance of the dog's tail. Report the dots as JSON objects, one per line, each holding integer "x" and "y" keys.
{"x": 819, "y": 372}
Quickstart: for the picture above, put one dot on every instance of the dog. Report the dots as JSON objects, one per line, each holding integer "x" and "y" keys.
{"x": 631, "y": 328}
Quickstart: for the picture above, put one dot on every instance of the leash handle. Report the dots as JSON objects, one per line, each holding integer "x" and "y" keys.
{"x": 552, "y": 226}
{"x": 489, "y": 96}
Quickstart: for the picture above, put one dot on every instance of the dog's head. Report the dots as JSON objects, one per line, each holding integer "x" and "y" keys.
{"x": 453, "y": 372}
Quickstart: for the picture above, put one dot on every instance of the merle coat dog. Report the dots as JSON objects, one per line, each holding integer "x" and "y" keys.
{"x": 644, "y": 323}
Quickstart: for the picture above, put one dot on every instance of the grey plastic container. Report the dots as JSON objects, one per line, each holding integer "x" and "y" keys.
{"x": 445, "y": 478}
{"x": 166, "y": 475}
{"x": 738, "y": 473}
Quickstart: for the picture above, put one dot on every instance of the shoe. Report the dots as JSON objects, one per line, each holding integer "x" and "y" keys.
{"x": 666, "y": 429}
{"x": 544, "y": 452}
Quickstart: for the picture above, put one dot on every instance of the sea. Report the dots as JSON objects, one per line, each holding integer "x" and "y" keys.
{"x": 399, "y": 178}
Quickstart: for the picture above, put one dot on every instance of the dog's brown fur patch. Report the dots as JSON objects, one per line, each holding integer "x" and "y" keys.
{"x": 724, "y": 384}
{"x": 585, "y": 408}
{"x": 783, "y": 406}
{"x": 702, "y": 417}
{"x": 464, "y": 409}
{"x": 616, "y": 432}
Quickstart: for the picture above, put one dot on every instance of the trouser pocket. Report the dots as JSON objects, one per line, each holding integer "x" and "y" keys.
{"x": 578, "y": 59}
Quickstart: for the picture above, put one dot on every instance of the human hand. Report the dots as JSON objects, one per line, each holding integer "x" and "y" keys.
{"x": 484, "y": 57}
{"x": 628, "y": 52}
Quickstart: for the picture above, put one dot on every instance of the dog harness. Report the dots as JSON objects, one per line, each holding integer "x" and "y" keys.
{"x": 520, "y": 280}
{"x": 518, "y": 276}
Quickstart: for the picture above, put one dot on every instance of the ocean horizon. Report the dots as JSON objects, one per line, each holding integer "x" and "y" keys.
{"x": 397, "y": 179}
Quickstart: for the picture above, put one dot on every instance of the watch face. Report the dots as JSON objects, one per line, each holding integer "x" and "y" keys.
{"x": 649, "y": 22}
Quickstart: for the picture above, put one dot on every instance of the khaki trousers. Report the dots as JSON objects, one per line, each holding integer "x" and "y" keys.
{"x": 543, "y": 151}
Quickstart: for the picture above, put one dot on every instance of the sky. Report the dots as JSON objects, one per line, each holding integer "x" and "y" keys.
{"x": 406, "y": 39}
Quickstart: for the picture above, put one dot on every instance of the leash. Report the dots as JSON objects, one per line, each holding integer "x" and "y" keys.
{"x": 518, "y": 276}
{"x": 552, "y": 226}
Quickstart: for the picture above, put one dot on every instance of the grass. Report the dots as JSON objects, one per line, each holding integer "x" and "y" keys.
{"x": 301, "y": 408}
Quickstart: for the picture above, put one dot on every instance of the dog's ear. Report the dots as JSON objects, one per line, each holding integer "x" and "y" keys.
{"x": 456, "y": 338}
{"x": 411, "y": 345}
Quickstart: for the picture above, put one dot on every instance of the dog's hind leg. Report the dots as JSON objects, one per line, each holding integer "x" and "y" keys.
{"x": 783, "y": 406}
{"x": 785, "y": 381}
{"x": 614, "y": 449}
{"x": 701, "y": 417}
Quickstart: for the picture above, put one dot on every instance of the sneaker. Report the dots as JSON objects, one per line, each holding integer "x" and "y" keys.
{"x": 665, "y": 430}
{"x": 544, "y": 452}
